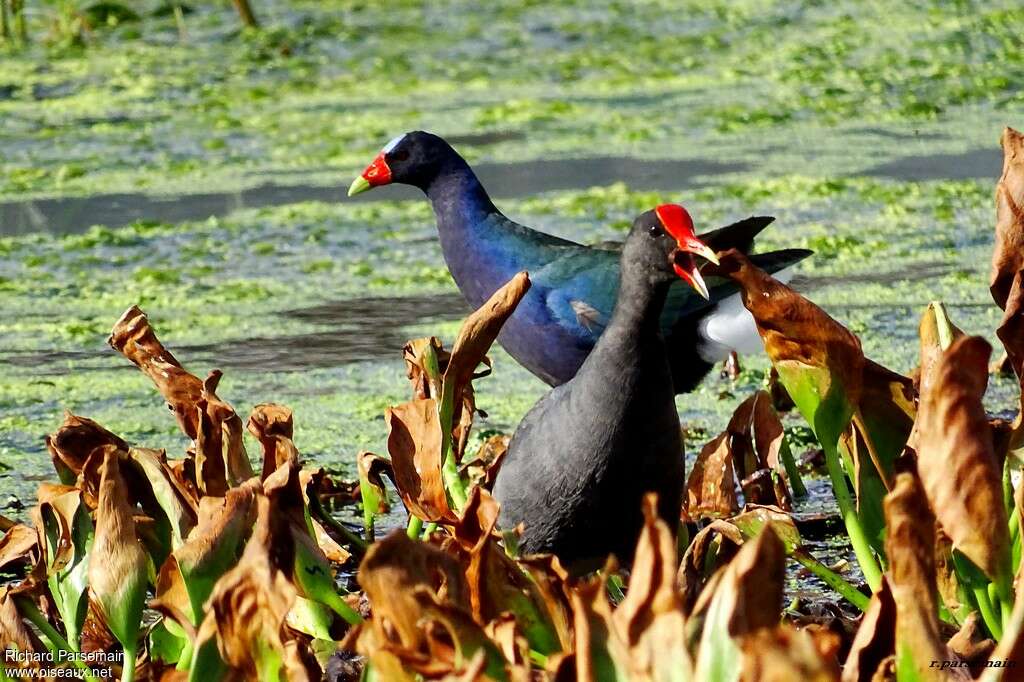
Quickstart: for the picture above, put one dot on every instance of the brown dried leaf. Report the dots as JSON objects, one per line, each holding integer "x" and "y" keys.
{"x": 950, "y": 590}
{"x": 505, "y": 632}
{"x": 711, "y": 488}
{"x": 133, "y": 337}
{"x": 720, "y": 538}
{"x": 119, "y": 565}
{"x": 956, "y": 461}
{"x": 1008, "y": 256}
{"x": 483, "y": 468}
{"x": 908, "y": 545}
{"x": 1011, "y": 328}
{"x": 756, "y": 436}
{"x": 600, "y": 653}
{"x": 797, "y": 334}
{"x": 786, "y": 654}
{"x": 423, "y": 385}
{"x": 754, "y": 581}
{"x": 221, "y": 460}
{"x": 549, "y": 581}
{"x": 273, "y": 427}
{"x": 480, "y": 330}
{"x": 414, "y": 443}
{"x": 650, "y": 619}
{"x": 76, "y": 439}
{"x": 15, "y": 635}
{"x": 477, "y": 523}
{"x": 248, "y": 608}
{"x": 212, "y": 424}
{"x": 876, "y": 637}
{"x": 210, "y": 549}
{"x": 498, "y": 585}
{"x": 372, "y": 470}
{"x": 934, "y": 340}
{"x": 389, "y": 572}
{"x": 62, "y": 502}
{"x": 160, "y": 491}
{"x": 455, "y": 639}
{"x": 18, "y": 545}
{"x": 747, "y": 597}
{"x": 296, "y": 547}
{"x": 972, "y": 644}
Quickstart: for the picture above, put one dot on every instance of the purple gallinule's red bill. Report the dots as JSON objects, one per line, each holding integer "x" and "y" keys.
{"x": 574, "y": 286}
{"x": 582, "y": 458}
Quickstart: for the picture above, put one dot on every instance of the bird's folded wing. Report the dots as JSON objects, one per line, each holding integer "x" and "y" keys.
{"x": 580, "y": 291}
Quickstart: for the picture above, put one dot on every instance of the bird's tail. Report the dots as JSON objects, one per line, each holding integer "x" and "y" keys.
{"x": 730, "y": 326}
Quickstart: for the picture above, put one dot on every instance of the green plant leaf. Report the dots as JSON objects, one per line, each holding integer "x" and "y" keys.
{"x": 68, "y": 532}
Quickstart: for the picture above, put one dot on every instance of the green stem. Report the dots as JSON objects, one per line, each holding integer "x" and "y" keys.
{"x": 57, "y": 643}
{"x": 349, "y": 614}
{"x": 369, "y": 531}
{"x": 682, "y": 540}
{"x": 449, "y": 467}
{"x": 359, "y": 545}
{"x": 128, "y": 665}
{"x": 538, "y": 659}
{"x": 415, "y": 527}
{"x": 428, "y": 529}
{"x": 1015, "y": 544}
{"x": 987, "y": 612}
{"x": 796, "y": 483}
{"x": 1008, "y": 487}
{"x": 861, "y": 546}
{"x": 444, "y": 394}
{"x": 832, "y": 579}
{"x": 370, "y": 504}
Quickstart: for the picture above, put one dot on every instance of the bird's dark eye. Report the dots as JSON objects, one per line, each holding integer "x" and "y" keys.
{"x": 400, "y": 155}
{"x": 654, "y": 231}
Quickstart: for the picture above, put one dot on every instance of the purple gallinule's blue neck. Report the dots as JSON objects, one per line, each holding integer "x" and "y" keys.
{"x": 575, "y": 287}
{"x": 581, "y": 460}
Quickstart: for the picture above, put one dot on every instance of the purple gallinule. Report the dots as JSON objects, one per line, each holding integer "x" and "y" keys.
{"x": 583, "y": 457}
{"x": 574, "y": 286}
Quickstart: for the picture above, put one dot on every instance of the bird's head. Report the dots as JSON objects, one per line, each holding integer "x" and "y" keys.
{"x": 412, "y": 158}
{"x": 663, "y": 243}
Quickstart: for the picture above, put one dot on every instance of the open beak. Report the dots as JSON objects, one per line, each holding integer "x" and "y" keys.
{"x": 376, "y": 174}
{"x": 685, "y": 266}
{"x": 677, "y": 222}
{"x": 699, "y": 248}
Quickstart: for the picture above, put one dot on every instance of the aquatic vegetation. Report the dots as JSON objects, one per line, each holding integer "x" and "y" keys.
{"x": 172, "y": 104}
{"x": 181, "y": 565}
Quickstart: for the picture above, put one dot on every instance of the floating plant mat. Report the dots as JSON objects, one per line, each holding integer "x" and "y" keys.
{"x": 137, "y": 107}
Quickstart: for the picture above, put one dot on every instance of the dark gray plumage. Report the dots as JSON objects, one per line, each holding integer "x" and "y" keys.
{"x": 581, "y": 460}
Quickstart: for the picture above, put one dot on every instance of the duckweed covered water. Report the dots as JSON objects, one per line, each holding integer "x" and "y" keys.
{"x": 217, "y": 168}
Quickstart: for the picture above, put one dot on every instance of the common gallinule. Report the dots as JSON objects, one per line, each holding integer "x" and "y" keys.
{"x": 585, "y": 454}
{"x": 574, "y": 286}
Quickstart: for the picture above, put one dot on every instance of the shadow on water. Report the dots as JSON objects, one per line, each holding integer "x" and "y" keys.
{"x": 349, "y": 331}
{"x": 505, "y": 180}
{"x": 375, "y": 328}
{"x": 977, "y": 163}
